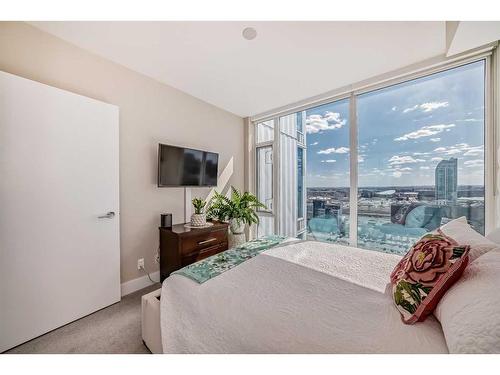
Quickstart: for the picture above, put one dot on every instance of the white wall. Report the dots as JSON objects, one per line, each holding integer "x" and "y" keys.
{"x": 150, "y": 112}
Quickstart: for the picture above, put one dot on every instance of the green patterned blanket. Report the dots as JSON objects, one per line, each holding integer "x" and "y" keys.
{"x": 213, "y": 266}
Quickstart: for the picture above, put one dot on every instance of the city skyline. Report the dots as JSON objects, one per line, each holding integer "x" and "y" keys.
{"x": 386, "y": 186}
{"x": 383, "y": 213}
{"x": 404, "y": 132}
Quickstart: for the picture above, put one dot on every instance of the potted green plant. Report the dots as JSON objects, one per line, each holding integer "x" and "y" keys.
{"x": 198, "y": 219}
{"x": 240, "y": 209}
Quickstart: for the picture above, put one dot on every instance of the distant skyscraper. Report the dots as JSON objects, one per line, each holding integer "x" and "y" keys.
{"x": 446, "y": 180}
{"x": 318, "y": 207}
{"x": 333, "y": 209}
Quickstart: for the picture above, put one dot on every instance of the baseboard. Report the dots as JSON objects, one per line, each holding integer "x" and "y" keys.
{"x": 137, "y": 284}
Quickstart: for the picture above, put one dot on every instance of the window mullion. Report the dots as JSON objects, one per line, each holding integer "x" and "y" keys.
{"x": 490, "y": 143}
{"x": 277, "y": 175}
{"x": 353, "y": 172}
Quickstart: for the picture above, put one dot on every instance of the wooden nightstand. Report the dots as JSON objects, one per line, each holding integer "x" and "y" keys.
{"x": 181, "y": 246}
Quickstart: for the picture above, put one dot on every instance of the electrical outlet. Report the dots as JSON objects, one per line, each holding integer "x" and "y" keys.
{"x": 140, "y": 263}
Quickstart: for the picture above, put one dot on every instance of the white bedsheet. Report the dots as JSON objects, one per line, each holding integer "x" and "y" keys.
{"x": 307, "y": 297}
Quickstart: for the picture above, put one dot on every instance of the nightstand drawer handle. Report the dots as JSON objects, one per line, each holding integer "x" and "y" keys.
{"x": 207, "y": 241}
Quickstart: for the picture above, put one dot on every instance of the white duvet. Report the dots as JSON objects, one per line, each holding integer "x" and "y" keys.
{"x": 305, "y": 297}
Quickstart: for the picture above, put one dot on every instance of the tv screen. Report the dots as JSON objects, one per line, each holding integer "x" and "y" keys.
{"x": 179, "y": 166}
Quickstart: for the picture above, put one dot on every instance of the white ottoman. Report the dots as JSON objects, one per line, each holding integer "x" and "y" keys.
{"x": 150, "y": 321}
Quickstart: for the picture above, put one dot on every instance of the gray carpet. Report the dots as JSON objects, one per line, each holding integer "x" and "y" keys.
{"x": 113, "y": 330}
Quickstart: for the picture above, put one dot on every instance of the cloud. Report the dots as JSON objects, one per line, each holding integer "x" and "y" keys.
{"x": 329, "y": 161}
{"x": 450, "y": 151}
{"x": 361, "y": 158}
{"x": 431, "y": 106}
{"x": 314, "y": 144}
{"x": 472, "y": 120}
{"x": 334, "y": 117}
{"x": 397, "y": 174}
{"x": 425, "y": 131}
{"x": 394, "y": 108}
{"x": 435, "y": 139}
{"x": 328, "y": 121}
{"x": 421, "y": 153}
{"x": 398, "y": 160}
{"x": 423, "y": 167}
{"x": 333, "y": 150}
{"x": 436, "y": 159}
{"x": 426, "y": 107}
{"x": 406, "y": 110}
{"x": 460, "y": 148}
{"x": 474, "y": 163}
{"x": 475, "y": 151}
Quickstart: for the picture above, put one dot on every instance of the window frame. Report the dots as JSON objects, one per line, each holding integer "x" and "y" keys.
{"x": 488, "y": 55}
{"x": 261, "y": 146}
{"x": 274, "y": 144}
{"x": 302, "y": 144}
{"x": 257, "y": 146}
{"x": 301, "y": 221}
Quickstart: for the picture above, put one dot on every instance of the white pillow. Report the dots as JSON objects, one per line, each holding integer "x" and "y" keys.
{"x": 469, "y": 312}
{"x": 462, "y": 232}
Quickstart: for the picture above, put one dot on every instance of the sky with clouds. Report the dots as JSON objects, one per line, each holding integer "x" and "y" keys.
{"x": 403, "y": 132}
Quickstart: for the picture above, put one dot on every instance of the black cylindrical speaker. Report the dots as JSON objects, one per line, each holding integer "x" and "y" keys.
{"x": 166, "y": 220}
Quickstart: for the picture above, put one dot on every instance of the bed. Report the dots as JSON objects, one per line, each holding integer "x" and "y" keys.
{"x": 298, "y": 297}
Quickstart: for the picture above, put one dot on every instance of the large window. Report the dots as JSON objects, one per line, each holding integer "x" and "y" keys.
{"x": 421, "y": 157}
{"x": 328, "y": 152}
{"x": 378, "y": 169}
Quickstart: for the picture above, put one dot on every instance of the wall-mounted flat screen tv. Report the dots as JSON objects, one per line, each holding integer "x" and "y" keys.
{"x": 180, "y": 166}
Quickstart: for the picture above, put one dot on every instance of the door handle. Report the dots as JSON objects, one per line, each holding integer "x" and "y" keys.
{"x": 109, "y": 215}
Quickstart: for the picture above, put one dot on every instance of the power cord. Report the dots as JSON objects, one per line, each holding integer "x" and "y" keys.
{"x": 157, "y": 260}
{"x": 149, "y": 276}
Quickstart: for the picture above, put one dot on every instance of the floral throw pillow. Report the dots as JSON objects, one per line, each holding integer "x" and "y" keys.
{"x": 425, "y": 273}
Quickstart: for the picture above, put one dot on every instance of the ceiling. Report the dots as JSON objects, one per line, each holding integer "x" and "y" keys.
{"x": 285, "y": 63}
{"x": 471, "y": 34}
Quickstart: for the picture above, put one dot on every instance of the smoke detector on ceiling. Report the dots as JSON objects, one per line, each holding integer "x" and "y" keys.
{"x": 249, "y": 33}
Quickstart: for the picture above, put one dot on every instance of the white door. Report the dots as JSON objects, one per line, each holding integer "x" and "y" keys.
{"x": 58, "y": 173}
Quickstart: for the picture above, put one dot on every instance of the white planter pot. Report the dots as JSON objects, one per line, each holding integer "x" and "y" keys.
{"x": 198, "y": 220}
{"x": 236, "y": 226}
{"x": 236, "y": 239}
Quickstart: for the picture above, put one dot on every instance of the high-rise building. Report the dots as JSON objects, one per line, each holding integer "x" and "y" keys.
{"x": 333, "y": 209}
{"x": 318, "y": 207}
{"x": 446, "y": 180}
